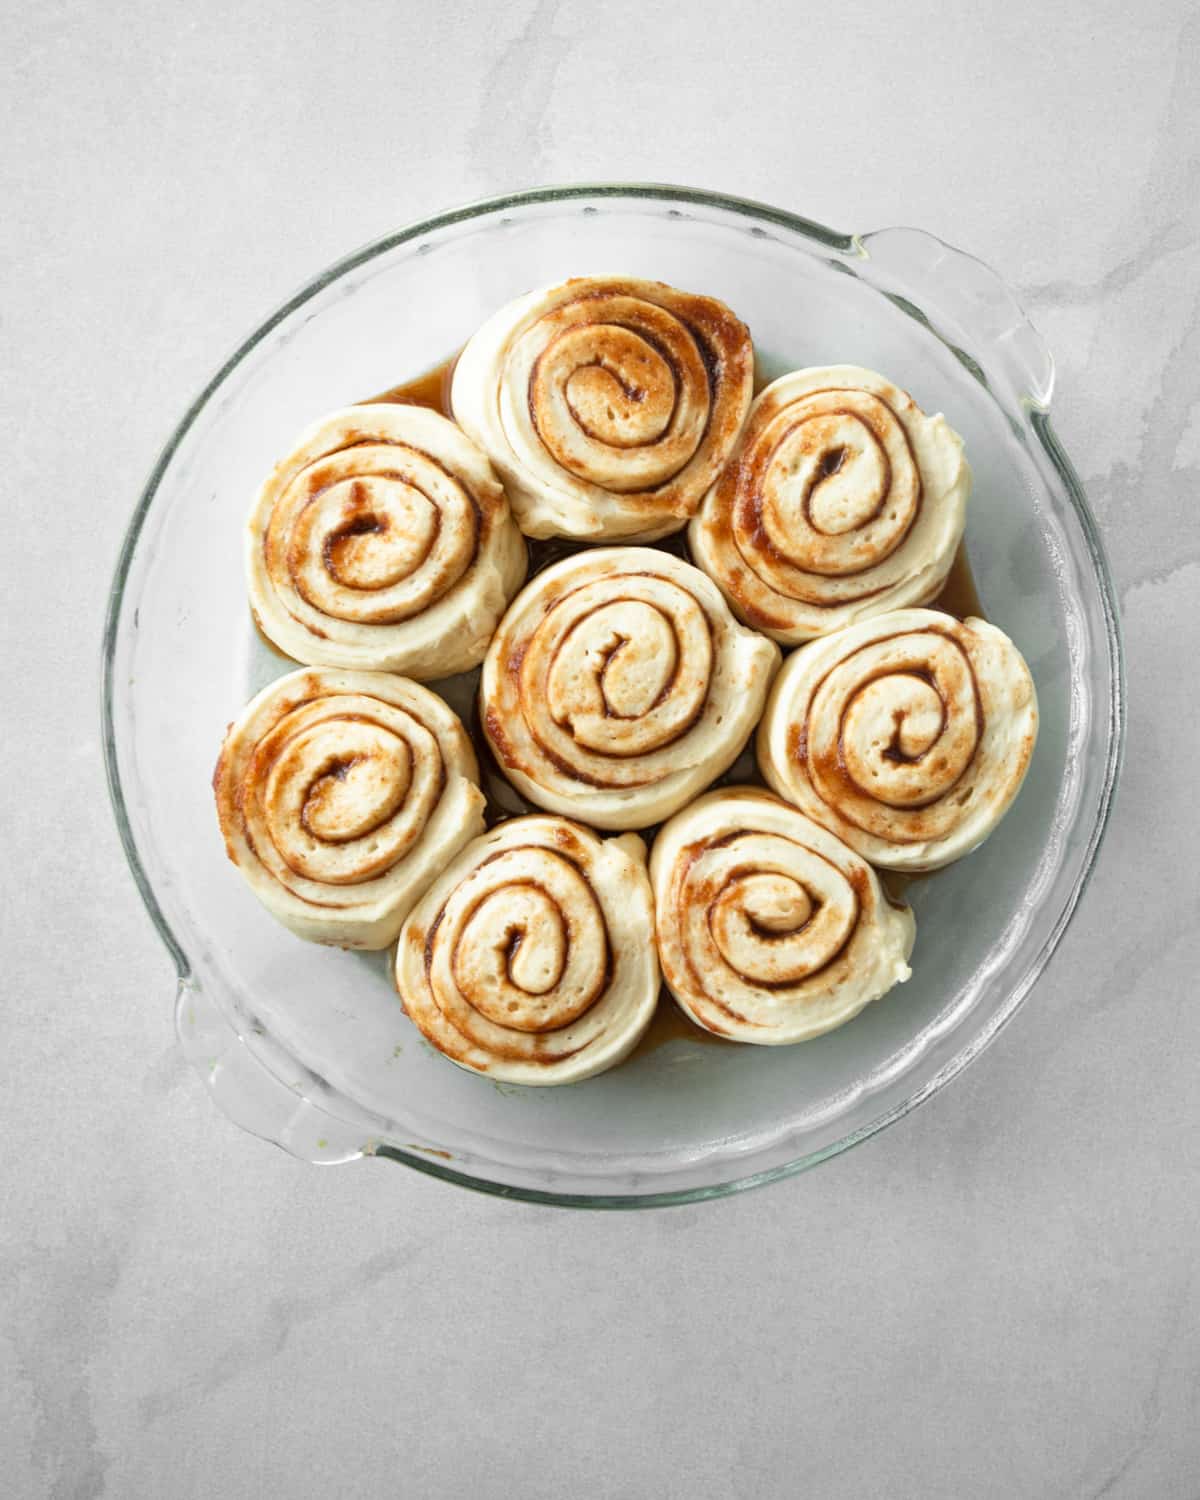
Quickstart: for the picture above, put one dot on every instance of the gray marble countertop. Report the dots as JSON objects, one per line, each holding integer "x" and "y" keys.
{"x": 995, "y": 1298}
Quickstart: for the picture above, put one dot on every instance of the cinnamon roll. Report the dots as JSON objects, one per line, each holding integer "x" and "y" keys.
{"x": 619, "y": 685}
{"x": 383, "y": 541}
{"x": 608, "y": 404}
{"x": 908, "y": 735}
{"x": 531, "y": 959}
{"x": 341, "y": 795}
{"x": 842, "y": 500}
{"x": 770, "y": 929}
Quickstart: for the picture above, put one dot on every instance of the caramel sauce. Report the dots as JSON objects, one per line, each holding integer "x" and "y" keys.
{"x": 670, "y": 1024}
{"x": 432, "y": 389}
{"x": 896, "y": 883}
{"x": 269, "y": 643}
{"x": 960, "y": 595}
{"x": 412, "y": 1145}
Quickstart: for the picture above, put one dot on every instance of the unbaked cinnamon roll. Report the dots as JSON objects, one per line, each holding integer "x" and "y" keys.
{"x": 383, "y": 541}
{"x": 531, "y": 959}
{"x": 619, "y": 685}
{"x": 908, "y": 735}
{"x": 608, "y": 404}
{"x": 341, "y": 795}
{"x": 770, "y": 929}
{"x": 842, "y": 500}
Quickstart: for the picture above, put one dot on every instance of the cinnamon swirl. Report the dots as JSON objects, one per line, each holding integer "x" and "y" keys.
{"x": 770, "y": 929}
{"x": 383, "y": 541}
{"x": 619, "y": 685}
{"x": 608, "y": 404}
{"x": 340, "y": 795}
{"x": 531, "y": 959}
{"x": 908, "y": 735}
{"x": 842, "y": 500}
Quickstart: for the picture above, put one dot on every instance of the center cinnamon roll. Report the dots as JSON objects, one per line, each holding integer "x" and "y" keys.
{"x": 618, "y": 686}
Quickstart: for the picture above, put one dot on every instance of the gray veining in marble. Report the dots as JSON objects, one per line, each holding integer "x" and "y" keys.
{"x": 996, "y": 1298}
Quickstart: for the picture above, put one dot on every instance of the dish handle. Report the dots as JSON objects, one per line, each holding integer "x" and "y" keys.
{"x": 967, "y": 303}
{"x": 257, "y": 1086}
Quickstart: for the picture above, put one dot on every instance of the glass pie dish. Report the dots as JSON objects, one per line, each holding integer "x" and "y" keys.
{"x": 308, "y": 1047}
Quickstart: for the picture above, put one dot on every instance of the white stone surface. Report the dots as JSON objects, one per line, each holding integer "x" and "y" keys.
{"x": 996, "y": 1298}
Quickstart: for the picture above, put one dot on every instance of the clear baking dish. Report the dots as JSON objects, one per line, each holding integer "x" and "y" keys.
{"x": 308, "y": 1047}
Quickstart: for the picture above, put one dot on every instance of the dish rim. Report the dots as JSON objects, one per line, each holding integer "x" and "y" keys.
{"x": 1038, "y": 421}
